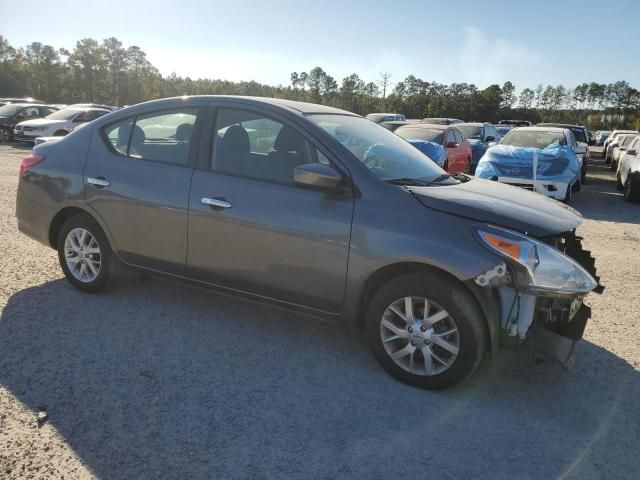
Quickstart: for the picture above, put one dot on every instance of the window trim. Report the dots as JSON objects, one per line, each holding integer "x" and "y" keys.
{"x": 206, "y": 150}
{"x": 193, "y": 144}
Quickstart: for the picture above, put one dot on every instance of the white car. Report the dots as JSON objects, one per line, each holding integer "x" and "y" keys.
{"x": 57, "y": 124}
{"x": 613, "y": 137}
{"x": 628, "y": 175}
{"x": 616, "y": 149}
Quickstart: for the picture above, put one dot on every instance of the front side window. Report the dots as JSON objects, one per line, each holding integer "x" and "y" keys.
{"x": 471, "y": 131}
{"x": 250, "y": 144}
{"x": 385, "y": 154}
{"x": 163, "y": 137}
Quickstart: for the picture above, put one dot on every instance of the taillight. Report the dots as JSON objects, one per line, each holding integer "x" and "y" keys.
{"x": 30, "y": 161}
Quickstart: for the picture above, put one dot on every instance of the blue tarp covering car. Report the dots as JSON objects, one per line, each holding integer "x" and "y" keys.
{"x": 551, "y": 170}
{"x": 434, "y": 151}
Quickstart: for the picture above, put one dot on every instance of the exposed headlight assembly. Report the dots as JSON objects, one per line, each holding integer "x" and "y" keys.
{"x": 538, "y": 267}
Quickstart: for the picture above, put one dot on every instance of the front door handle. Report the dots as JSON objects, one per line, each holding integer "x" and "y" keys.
{"x": 215, "y": 202}
{"x": 98, "y": 181}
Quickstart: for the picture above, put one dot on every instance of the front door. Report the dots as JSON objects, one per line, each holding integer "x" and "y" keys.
{"x": 252, "y": 229}
{"x": 137, "y": 180}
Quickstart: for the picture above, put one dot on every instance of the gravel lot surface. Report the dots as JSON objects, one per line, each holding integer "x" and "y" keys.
{"x": 159, "y": 380}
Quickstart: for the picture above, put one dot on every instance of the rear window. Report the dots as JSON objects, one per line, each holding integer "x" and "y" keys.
{"x": 428, "y": 134}
{"x": 471, "y": 131}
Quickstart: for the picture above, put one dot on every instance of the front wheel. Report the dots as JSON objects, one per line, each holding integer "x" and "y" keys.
{"x": 426, "y": 330}
{"x": 5, "y": 135}
{"x": 60, "y": 133}
{"x": 631, "y": 189}
{"x": 84, "y": 254}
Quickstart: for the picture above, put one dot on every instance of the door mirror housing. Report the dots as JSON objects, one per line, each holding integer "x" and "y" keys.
{"x": 317, "y": 176}
{"x": 581, "y": 148}
{"x": 490, "y": 138}
{"x": 632, "y": 152}
{"x": 452, "y": 144}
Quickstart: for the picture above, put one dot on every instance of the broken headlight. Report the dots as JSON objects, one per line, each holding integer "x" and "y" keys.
{"x": 538, "y": 266}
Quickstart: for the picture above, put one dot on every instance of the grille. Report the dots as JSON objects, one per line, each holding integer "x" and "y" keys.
{"x": 526, "y": 186}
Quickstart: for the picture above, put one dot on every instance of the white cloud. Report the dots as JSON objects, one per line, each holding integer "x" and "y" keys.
{"x": 483, "y": 60}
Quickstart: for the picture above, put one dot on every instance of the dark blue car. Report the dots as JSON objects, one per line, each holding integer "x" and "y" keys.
{"x": 481, "y": 136}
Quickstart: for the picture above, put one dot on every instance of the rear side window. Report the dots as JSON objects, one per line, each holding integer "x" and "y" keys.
{"x": 163, "y": 136}
{"x": 458, "y": 136}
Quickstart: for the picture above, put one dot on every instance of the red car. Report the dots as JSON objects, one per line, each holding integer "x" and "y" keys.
{"x": 458, "y": 149}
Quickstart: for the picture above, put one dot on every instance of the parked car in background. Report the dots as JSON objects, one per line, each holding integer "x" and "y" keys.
{"x": 600, "y": 137}
{"x": 57, "y": 124}
{"x": 393, "y": 126}
{"x": 538, "y": 159}
{"x": 581, "y": 136}
{"x": 481, "y": 136}
{"x": 620, "y": 147}
{"x": 93, "y": 105}
{"x": 613, "y": 138}
{"x": 628, "y": 174}
{"x": 385, "y": 117}
{"x": 317, "y": 210}
{"x": 442, "y": 121}
{"x": 14, "y": 113}
{"x": 6, "y": 101}
{"x": 458, "y": 149}
{"x": 515, "y": 123}
{"x": 503, "y": 130}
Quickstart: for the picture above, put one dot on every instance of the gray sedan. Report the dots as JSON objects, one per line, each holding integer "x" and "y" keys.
{"x": 316, "y": 210}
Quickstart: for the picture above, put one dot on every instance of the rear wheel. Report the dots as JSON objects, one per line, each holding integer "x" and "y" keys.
{"x": 426, "y": 330}
{"x": 60, "y": 133}
{"x": 619, "y": 185}
{"x": 569, "y": 194}
{"x": 84, "y": 254}
{"x": 613, "y": 165}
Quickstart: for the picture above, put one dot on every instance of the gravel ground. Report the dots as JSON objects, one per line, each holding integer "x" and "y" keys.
{"x": 159, "y": 380}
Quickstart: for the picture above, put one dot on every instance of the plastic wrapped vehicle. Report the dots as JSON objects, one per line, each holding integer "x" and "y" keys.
{"x": 536, "y": 159}
{"x": 434, "y": 151}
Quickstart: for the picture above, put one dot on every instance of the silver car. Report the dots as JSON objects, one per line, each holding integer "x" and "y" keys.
{"x": 628, "y": 171}
{"x": 319, "y": 211}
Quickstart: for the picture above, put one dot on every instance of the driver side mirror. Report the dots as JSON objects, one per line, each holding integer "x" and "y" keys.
{"x": 452, "y": 144}
{"x": 490, "y": 138}
{"x": 317, "y": 176}
{"x": 632, "y": 152}
{"x": 581, "y": 148}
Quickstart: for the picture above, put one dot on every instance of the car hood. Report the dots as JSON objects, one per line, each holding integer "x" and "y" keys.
{"x": 501, "y": 205}
{"x": 40, "y": 122}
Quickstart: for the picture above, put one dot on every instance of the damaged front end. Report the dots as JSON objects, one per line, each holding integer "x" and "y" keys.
{"x": 541, "y": 285}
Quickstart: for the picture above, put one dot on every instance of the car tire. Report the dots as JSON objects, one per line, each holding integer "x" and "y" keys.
{"x": 60, "y": 133}
{"x": 583, "y": 175}
{"x": 569, "y": 194}
{"x": 631, "y": 189}
{"x": 429, "y": 365}
{"x": 87, "y": 261}
{"x": 607, "y": 159}
{"x": 613, "y": 165}
{"x": 6, "y": 135}
{"x": 619, "y": 185}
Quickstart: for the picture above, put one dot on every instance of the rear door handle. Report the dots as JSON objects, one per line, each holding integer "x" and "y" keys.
{"x": 215, "y": 202}
{"x": 98, "y": 181}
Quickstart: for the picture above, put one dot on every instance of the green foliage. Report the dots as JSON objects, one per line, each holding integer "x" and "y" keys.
{"x": 108, "y": 72}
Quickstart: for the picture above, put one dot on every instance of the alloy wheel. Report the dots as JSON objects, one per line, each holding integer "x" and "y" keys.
{"x": 5, "y": 135}
{"x": 82, "y": 255}
{"x": 419, "y": 336}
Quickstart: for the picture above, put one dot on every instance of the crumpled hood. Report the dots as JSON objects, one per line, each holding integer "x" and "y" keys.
{"x": 40, "y": 122}
{"x": 501, "y": 205}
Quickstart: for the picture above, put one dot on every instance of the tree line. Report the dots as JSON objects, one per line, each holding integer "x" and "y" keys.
{"x": 108, "y": 72}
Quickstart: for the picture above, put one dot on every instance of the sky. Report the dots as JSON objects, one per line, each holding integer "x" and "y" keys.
{"x": 481, "y": 41}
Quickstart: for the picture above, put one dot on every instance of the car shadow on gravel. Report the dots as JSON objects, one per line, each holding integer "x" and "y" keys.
{"x": 161, "y": 380}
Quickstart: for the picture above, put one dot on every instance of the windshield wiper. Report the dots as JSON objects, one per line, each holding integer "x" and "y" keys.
{"x": 407, "y": 181}
{"x": 438, "y": 179}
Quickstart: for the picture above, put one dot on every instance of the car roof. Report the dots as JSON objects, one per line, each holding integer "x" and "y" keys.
{"x": 302, "y": 108}
{"x": 560, "y": 125}
{"x": 475, "y": 124}
{"x": 537, "y": 128}
{"x": 436, "y": 126}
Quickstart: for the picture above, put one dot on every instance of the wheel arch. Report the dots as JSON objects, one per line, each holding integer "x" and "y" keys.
{"x": 66, "y": 213}
{"x": 485, "y": 298}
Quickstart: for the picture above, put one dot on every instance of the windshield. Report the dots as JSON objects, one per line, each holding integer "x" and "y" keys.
{"x": 416, "y": 133}
{"x": 531, "y": 139}
{"x": 436, "y": 121}
{"x": 10, "y": 110}
{"x": 387, "y": 155}
{"x": 66, "y": 114}
{"x": 471, "y": 131}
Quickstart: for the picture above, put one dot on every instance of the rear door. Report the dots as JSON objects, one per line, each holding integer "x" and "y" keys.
{"x": 137, "y": 180}
{"x": 264, "y": 235}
